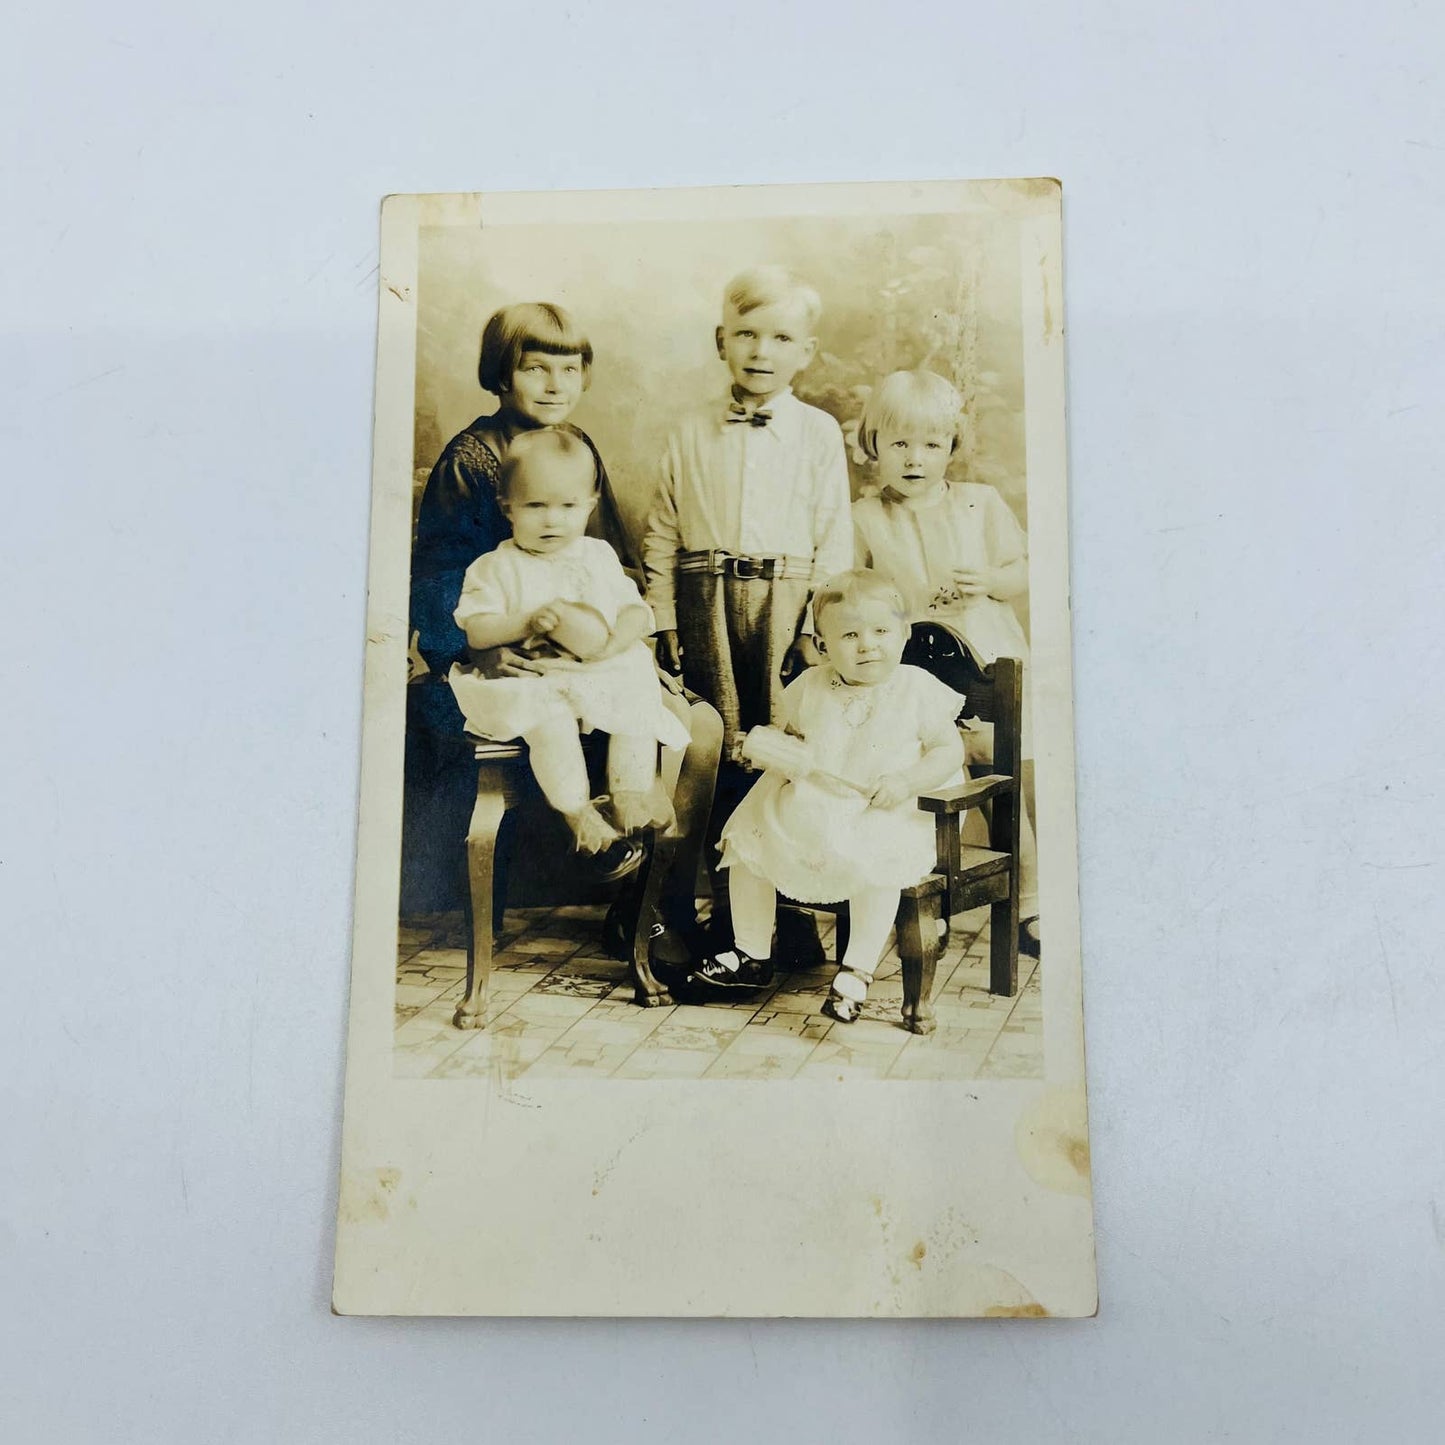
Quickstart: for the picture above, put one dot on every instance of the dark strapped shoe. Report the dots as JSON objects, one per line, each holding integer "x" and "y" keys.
{"x": 1028, "y": 937}
{"x": 616, "y": 860}
{"x": 841, "y": 1010}
{"x": 732, "y": 969}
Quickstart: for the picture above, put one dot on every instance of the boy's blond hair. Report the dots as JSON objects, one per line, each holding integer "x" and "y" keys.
{"x": 768, "y": 286}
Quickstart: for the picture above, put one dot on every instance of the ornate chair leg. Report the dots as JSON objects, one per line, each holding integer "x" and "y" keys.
{"x": 918, "y": 918}
{"x": 639, "y": 912}
{"x": 487, "y": 814}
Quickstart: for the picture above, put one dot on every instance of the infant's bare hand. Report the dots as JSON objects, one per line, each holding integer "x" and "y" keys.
{"x": 544, "y": 620}
{"x": 508, "y": 662}
{"x": 890, "y": 791}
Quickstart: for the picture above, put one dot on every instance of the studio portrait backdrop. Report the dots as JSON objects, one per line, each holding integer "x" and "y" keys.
{"x": 939, "y": 292}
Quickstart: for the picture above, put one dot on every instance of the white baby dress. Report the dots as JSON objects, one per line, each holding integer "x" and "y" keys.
{"x": 620, "y": 694}
{"x": 815, "y": 846}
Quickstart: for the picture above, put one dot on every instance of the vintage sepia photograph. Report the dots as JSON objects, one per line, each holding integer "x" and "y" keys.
{"x": 718, "y": 706}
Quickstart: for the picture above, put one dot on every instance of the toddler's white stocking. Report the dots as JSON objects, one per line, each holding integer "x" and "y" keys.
{"x": 870, "y": 917}
{"x": 754, "y": 906}
{"x": 631, "y": 763}
{"x": 558, "y": 764}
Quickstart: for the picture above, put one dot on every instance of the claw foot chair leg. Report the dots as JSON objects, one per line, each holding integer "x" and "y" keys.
{"x": 642, "y": 911}
{"x": 918, "y": 948}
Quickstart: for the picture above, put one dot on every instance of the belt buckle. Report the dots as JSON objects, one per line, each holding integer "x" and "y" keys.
{"x": 752, "y": 569}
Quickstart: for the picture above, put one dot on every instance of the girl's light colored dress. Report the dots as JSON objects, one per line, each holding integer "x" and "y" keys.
{"x": 620, "y": 694}
{"x": 815, "y": 846}
{"x": 919, "y": 542}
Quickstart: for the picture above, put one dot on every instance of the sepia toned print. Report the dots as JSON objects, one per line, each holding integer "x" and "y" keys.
{"x": 718, "y": 733}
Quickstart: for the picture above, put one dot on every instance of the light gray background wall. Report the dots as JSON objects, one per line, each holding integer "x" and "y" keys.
{"x": 1253, "y": 202}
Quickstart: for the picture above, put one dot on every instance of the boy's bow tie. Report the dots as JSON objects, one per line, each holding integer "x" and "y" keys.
{"x": 738, "y": 412}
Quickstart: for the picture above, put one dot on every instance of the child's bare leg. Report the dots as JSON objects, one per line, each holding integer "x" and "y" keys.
{"x": 638, "y": 799}
{"x": 871, "y": 912}
{"x": 561, "y": 773}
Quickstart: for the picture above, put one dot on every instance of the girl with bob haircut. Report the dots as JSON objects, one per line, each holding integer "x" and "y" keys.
{"x": 956, "y": 553}
{"x": 528, "y": 326}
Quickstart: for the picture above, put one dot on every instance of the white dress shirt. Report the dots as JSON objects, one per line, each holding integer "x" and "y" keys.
{"x": 758, "y": 491}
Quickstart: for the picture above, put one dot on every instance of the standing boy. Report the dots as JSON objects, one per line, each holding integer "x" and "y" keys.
{"x": 752, "y": 514}
{"x": 752, "y": 511}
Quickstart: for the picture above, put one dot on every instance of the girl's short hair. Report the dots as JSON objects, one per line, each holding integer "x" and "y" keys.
{"x": 528, "y": 326}
{"x": 859, "y": 585}
{"x": 908, "y": 400}
{"x": 768, "y": 286}
{"x": 558, "y": 443}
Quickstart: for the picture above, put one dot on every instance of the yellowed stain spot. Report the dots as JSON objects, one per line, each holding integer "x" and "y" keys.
{"x": 917, "y": 1253}
{"x": 1033, "y": 1310}
{"x": 1051, "y": 1138}
{"x": 367, "y": 1196}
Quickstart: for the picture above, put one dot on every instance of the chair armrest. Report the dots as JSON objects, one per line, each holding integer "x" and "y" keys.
{"x": 970, "y": 794}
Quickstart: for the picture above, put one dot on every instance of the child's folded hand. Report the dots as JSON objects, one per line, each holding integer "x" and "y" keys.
{"x": 891, "y": 790}
{"x": 544, "y": 620}
{"x": 973, "y": 581}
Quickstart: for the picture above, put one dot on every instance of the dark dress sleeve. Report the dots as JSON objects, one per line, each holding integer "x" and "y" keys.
{"x": 459, "y": 520}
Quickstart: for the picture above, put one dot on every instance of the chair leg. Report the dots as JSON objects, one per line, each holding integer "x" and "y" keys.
{"x": 487, "y": 815}
{"x": 918, "y": 951}
{"x": 639, "y": 906}
{"x": 1003, "y": 946}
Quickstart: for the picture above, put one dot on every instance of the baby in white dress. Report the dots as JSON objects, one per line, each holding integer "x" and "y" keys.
{"x": 836, "y": 816}
{"x": 564, "y": 596}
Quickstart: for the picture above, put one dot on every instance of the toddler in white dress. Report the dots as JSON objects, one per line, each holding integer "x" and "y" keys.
{"x": 564, "y": 597}
{"x": 835, "y": 815}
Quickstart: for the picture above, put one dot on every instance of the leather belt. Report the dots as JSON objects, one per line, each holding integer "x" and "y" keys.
{"x": 718, "y": 562}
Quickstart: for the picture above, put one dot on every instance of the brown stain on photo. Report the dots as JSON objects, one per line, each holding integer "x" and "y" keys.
{"x": 1033, "y": 1310}
{"x": 1051, "y": 1138}
{"x": 368, "y": 1198}
{"x": 916, "y": 1254}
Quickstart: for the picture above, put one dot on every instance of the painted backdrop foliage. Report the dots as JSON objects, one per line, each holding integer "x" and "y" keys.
{"x": 925, "y": 290}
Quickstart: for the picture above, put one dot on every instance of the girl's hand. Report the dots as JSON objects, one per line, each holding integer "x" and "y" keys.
{"x": 973, "y": 581}
{"x": 544, "y": 620}
{"x": 891, "y": 790}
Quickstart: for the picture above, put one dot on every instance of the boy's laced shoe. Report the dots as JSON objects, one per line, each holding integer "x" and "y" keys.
{"x": 732, "y": 969}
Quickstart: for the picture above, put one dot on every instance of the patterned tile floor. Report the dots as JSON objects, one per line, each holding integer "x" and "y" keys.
{"x": 559, "y": 1008}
